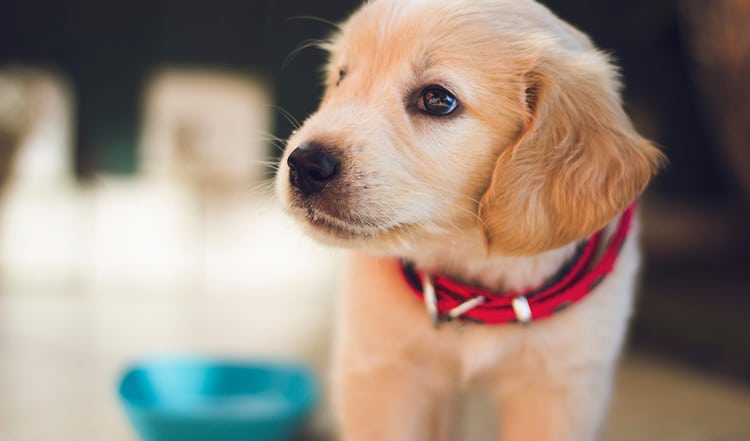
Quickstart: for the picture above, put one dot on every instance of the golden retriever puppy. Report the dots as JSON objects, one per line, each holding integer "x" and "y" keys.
{"x": 475, "y": 156}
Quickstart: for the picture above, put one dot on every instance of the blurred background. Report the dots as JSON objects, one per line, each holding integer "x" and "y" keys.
{"x": 137, "y": 140}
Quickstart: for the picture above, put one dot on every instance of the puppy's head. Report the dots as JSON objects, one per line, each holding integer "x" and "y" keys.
{"x": 448, "y": 117}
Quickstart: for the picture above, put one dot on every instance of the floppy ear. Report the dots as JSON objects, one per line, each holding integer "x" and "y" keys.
{"x": 576, "y": 165}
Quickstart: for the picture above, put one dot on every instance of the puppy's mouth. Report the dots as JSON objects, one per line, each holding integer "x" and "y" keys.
{"x": 338, "y": 231}
{"x": 337, "y": 227}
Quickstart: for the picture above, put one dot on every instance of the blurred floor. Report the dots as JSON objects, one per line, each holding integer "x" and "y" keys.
{"x": 61, "y": 355}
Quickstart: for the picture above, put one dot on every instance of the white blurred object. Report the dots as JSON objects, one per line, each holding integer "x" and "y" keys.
{"x": 15, "y": 120}
{"x": 207, "y": 127}
{"x": 145, "y": 238}
{"x": 252, "y": 247}
{"x": 45, "y": 240}
{"x": 157, "y": 238}
{"x": 43, "y": 105}
{"x": 159, "y": 234}
{"x": 190, "y": 224}
{"x": 44, "y": 233}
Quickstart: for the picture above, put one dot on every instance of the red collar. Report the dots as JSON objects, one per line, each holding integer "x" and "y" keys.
{"x": 447, "y": 300}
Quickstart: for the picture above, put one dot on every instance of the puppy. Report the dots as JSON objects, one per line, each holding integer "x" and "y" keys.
{"x": 475, "y": 156}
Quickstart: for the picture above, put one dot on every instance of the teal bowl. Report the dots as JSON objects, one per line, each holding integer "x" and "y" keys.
{"x": 192, "y": 399}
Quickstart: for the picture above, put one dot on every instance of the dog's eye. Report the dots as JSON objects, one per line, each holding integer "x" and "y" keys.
{"x": 437, "y": 101}
{"x": 342, "y": 74}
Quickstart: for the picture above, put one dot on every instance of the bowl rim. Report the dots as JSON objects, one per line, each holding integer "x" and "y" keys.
{"x": 297, "y": 408}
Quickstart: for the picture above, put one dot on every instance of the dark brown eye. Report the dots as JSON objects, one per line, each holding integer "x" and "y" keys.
{"x": 342, "y": 74}
{"x": 437, "y": 101}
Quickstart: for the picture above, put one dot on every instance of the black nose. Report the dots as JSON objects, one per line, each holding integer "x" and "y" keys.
{"x": 311, "y": 167}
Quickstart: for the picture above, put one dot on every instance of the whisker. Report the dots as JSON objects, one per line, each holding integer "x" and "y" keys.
{"x": 287, "y": 115}
{"x": 318, "y": 19}
{"x": 307, "y": 44}
{"x": 276, "y": 145}
{"x": 270, "y": 164}
{"x": 267, "y": 136}
{"x": 264, "y": 136}
{"x": 264, "y": 187}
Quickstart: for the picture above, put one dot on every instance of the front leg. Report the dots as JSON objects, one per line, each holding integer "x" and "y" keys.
{"x": 394, "y": 376}
{"x": 568, "y": 408}
{"x": 391, "y": 402}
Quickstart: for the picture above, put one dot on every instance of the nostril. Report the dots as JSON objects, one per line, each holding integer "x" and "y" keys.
{"x": 311, "y": 167}
{"x": 322, "y": 167}
{"x": 314, "y": 164}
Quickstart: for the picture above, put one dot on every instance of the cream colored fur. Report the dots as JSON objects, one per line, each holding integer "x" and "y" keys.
{"x": 538, "y": 156}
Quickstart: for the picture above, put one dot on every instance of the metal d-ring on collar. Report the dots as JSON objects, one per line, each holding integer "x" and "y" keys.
{"x": 430, "y": 303}
{"x": 522, "y": 309}
{"x": 430, "y": 300}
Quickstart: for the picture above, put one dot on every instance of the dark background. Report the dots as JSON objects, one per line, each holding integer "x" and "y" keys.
{"x": 694, "y": 301}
